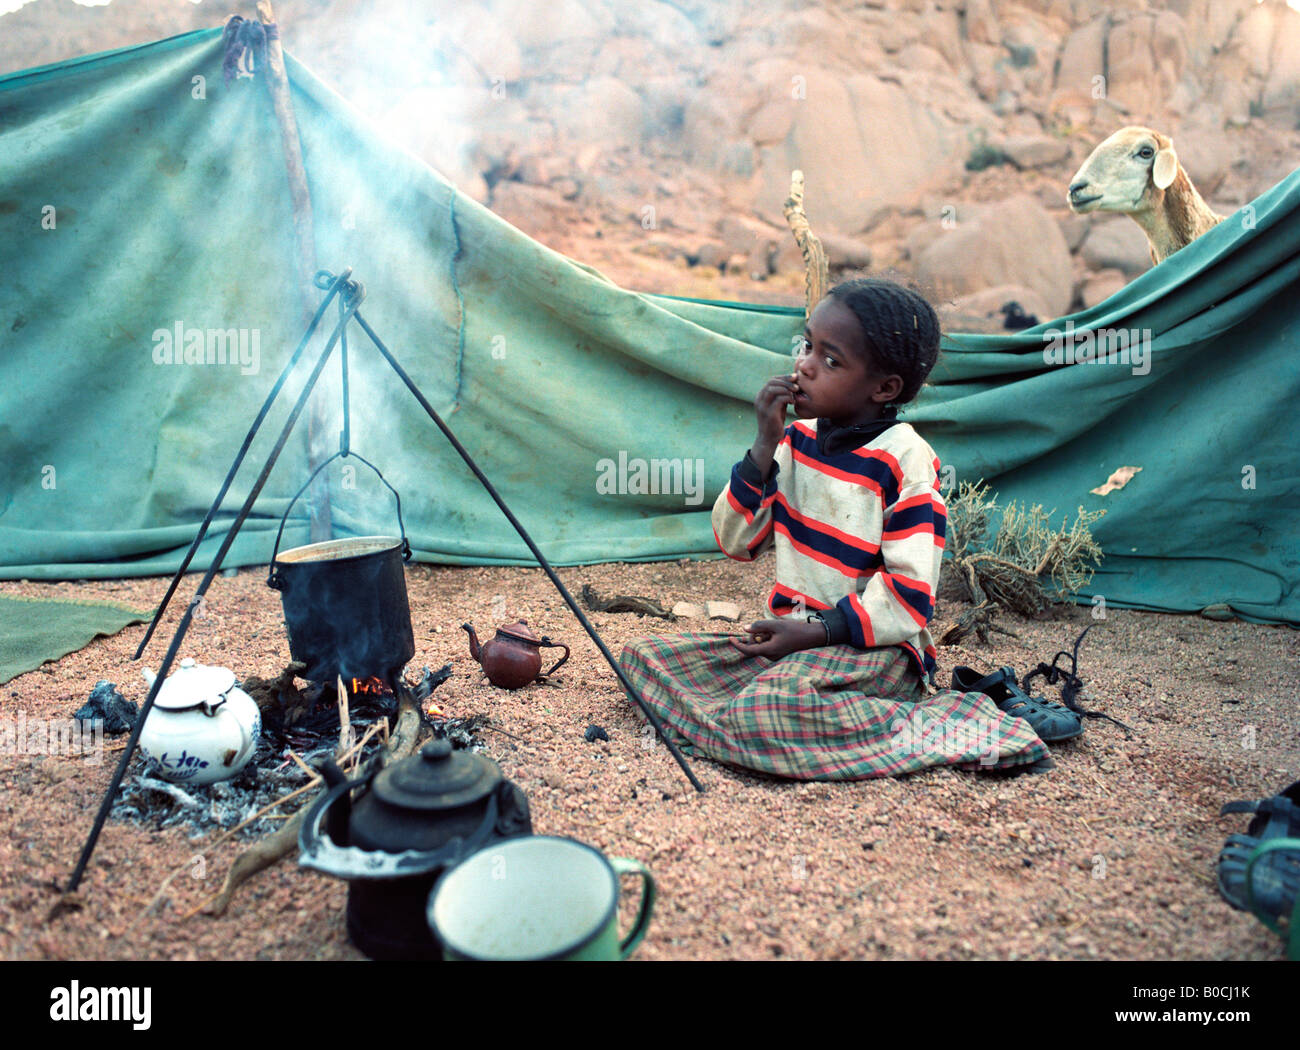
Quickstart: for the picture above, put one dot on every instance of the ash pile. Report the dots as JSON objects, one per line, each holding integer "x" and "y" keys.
{"x": 301, "y": 727}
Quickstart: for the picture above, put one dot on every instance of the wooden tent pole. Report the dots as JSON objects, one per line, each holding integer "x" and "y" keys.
{"x": 817, "y": 273}
{"x": 277, "y": 82}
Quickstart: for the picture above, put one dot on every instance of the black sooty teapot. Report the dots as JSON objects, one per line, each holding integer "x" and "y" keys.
{"x": 407, "y": 824}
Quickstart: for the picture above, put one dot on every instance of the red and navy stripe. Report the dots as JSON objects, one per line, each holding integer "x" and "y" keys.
{"x": 916, "y": 515}
{"x": 851, "y": 555}
{"x": 873, "y": 468}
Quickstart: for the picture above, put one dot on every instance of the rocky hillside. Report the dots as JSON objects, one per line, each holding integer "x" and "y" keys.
{"x": 655, "y": 140}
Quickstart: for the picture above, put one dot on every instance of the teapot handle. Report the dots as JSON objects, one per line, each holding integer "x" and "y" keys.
{"x": 553, "y": 645}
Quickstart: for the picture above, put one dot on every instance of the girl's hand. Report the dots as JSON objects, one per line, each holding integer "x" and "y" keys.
{"x": 770, "y": 407}
{"x": 777, "y": 638}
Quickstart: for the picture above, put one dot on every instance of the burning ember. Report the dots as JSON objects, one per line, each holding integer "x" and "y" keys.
{"x": 371, "y": 687}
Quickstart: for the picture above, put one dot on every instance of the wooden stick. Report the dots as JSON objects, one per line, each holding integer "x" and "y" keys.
{"x": 816, "y": 271}
{"x": 277, "y": 82}
{"x": 265, "y": 852}
{"x": 346, "y": 737}
{"x": 361, "y": 744}
{"x": 314, "y": 782}
{"x": 301, "y": 764}
{"x": 231, "y": 832}
{"x": 503, "y": 733}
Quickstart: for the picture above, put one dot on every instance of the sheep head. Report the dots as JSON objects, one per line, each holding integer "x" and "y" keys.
{"x": 1128, "y": 172}
{"x": 1136, "y": 172}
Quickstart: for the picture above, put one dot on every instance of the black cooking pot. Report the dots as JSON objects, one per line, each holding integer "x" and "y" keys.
{"x": 345, "y": 604}
{"x": 411, "y": 822}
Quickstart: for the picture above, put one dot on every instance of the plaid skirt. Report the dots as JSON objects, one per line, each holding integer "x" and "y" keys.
{"x": 830, "y": 713}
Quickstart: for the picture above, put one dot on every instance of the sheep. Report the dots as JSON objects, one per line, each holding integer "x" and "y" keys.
{"x": 1136, "y": 172}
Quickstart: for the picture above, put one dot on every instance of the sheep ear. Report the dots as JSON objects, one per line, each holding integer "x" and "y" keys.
{"x": 1165, "y": 168}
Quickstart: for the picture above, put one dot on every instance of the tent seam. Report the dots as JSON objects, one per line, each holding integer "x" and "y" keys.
{"x": 460, "y": 305}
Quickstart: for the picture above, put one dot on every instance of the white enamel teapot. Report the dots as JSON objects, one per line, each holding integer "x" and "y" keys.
{"x": 203, "y": 727}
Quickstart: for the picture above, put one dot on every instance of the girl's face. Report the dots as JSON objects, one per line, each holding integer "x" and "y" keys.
{"x": 835, "y": 374}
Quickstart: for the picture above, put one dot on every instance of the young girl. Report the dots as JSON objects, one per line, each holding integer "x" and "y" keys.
{"x": 837, "y": 685}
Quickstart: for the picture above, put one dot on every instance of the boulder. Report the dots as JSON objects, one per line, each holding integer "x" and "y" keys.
{"x": 1253, "y": 38}
{"x": 537, "y": 210}
{"x": 1145, "y": 58}
{"x": 664, "y": 26}
{"x": 1204, "y": 151}
{"x": 1209, "y": 24}
{"x": 484, "y": 39}
{"x": 844, "y": 252}
{"x": 1282, "y": 88}
{"x": 980, "y": 23}
{"x": 988, "y": 302}
{"x": 923, "y": 58}
{"x": 715, "y": 20}
{"x": 1100, "y": 286}
{"x": 1012, "y": 242}
{"x": 755, "y": 241}
{"x": 563, "y": 34}
{"x": 861, "y": 143}
{"x": 665, "y": 98}
{"x": 1117, "y": 243}
{"x": 711, "y": 253}
{"x": 710, "y": 122}
{"x": 1034, "y": 151}
{"x": 603, "y": 110}
{"x": 1075, "y": 229}
{"x": 1082, "y": 59}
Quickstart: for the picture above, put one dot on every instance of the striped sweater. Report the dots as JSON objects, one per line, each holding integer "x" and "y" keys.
{"x": 860, "y": 531}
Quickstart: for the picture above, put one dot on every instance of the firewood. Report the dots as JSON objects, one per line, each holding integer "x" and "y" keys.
{"x": 280, "y": 843}
{"x": 619, "y": 603}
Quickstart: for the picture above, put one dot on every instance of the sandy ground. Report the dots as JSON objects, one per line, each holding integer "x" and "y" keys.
{"x": 1111, "y": 855}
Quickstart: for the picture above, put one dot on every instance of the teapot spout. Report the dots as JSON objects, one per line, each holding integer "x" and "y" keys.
{"x": 473, "y": 642}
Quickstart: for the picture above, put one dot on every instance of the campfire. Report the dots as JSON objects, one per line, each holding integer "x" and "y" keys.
{"x": 302, "y": 727}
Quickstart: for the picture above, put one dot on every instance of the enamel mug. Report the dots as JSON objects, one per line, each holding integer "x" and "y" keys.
{"x": 538, "y": 897}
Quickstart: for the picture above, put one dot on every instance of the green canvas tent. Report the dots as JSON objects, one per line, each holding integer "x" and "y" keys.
{"x": 144, "y": 212}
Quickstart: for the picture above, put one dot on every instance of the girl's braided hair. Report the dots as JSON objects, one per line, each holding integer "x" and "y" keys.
{"x": 900, "y": 329}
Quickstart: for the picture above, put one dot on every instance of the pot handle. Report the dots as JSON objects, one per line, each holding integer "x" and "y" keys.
{"x": 273, "y": 578}
{"x": 553, "y": 645}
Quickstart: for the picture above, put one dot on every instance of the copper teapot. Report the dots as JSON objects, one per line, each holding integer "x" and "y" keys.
{"x": 513, "y": 658}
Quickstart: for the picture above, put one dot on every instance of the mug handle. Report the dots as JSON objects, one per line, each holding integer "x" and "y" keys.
{"x": 624, "y": 866}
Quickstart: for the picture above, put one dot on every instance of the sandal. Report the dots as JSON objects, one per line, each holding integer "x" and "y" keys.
{"x": 1291, "y": 932}
{"x": 1050, "y": 721}
{"x": 1072, "y": 684}
{"x": 1275, "y": 875}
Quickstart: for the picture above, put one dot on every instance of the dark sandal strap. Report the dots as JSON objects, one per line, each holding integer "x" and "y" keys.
{"x": 1002, "y": 676}
{"x": 1276, "y": 816}
{"x": 1072, "y": 684}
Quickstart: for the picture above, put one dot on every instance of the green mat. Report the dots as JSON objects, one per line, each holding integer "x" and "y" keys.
{"x": 34, "y": 631}
{"x": 138, "y": 204}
